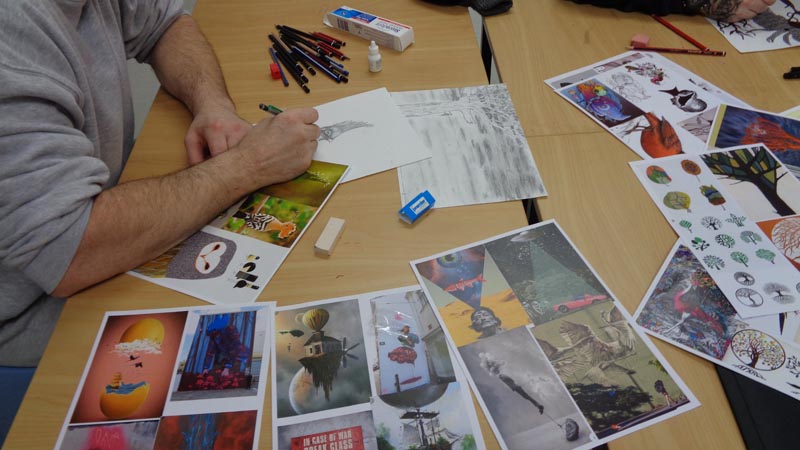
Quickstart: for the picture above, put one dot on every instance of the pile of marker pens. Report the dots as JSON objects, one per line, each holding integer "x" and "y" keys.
{"x": 299, "y": 52}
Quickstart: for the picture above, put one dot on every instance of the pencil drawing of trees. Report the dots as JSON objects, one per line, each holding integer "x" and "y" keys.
{"x": 751, "y": 165}
{"x": 711, "y": 222}
{"x": 779, "y": 292}
{"x": 786, "y": 236}
{"x": 758, "y": 350}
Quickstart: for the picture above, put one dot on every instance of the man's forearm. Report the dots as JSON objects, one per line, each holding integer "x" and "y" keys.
{"x": 716, "y": 9}
{"x": 134, "y": 222}
{"x": 188, "y": 69}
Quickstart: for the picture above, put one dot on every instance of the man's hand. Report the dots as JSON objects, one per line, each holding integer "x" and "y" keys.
{"x": 213, "y": 131}
{"x": 280, "y": 148}
{"x": 730, "y": 10}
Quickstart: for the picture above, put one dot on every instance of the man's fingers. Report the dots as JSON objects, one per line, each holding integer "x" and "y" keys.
{"x": 195, "y": 148}
{"x": 217, "y": 143}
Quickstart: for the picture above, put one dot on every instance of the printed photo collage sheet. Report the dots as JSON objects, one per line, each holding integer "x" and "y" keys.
{"x": 368, "y": 372}
{"x": 173, "y": 378}
{"x": 555, "y": 361}
{"x": 737, "y": 129}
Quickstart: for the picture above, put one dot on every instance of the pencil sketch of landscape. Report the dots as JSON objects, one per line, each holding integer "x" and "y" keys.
{"x": 480, "y": 154}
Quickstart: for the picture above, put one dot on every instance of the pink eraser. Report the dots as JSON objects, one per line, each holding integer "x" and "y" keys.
{"x": 640, "y": 40}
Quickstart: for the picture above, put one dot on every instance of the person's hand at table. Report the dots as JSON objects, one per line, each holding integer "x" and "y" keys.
{"x": 214, "y": 131}
{"x": 731, "y": 10}
{"x": 279, "y": 148}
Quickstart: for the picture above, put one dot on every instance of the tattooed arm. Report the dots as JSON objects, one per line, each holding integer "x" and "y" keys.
{"x": 723, "y": 10}
{"x": 728, "y": 10}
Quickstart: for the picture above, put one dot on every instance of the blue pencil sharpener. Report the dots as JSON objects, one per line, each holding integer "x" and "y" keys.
{"x": 417, "y": 207}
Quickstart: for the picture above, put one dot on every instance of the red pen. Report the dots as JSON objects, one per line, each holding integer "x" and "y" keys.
{"x": 689, "y": 51}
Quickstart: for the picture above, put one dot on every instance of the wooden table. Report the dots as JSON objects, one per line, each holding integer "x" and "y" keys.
{"x": 593, "y": 193}
{"x": 375, "y": 248}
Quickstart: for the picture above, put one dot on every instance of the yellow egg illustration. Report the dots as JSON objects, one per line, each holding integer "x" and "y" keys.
{"x": 145, "y": 329}
{"x": 120, "y": 400}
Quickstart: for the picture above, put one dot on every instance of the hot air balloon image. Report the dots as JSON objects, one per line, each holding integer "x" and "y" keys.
{"x": 323, "y": 359}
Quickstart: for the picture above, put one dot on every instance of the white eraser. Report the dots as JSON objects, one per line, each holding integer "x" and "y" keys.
{"x": 330, "y": 235}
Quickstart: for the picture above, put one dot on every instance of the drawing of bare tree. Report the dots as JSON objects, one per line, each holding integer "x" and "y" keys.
{"x": 786, "y": 236}
{"x": 754, "y": 166}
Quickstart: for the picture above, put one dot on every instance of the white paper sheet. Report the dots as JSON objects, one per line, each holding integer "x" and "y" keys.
{"x": 368, "y": 133}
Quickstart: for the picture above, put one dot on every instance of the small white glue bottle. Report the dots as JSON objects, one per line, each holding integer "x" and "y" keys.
{"x": 374, "y": 57}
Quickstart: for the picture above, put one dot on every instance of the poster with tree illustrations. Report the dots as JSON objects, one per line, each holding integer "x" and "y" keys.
{"x": 685, "y": 308}
{"x": 710, "y": 219}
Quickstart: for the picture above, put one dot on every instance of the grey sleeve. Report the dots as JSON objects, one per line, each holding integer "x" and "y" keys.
{"x": 49, "y": 174}
{"x": 144, "y": 21}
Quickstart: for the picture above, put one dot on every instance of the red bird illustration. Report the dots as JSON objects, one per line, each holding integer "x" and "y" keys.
{"x": 688, "y": 308}
{"x": 658, "y": 137}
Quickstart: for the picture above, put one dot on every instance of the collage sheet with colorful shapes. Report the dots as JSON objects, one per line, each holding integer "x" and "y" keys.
{"x": 173, "y": 378}
{"x": 553, "y": 358}
{"x": 230, "y": 260}
{"x": 651, "y": 104}
{"x": 368, "y": 372}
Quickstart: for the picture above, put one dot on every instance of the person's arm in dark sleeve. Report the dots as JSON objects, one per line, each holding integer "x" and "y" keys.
{"x": 722, "y": 10}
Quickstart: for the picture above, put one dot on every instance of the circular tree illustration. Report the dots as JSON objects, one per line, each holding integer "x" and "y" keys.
{"x": 749, "y": 297}
{"x": 758, "y": 350}
{"x": 744, "y": 278}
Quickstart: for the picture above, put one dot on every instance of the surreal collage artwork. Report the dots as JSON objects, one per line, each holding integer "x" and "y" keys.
{"x": 178, "y": 378}
{"x": 713, "y": 202}
{"x": 368, "y": 372}
{"x": 230, "y": 260}
{"x": 651, "y": 104}
{"x": 554, "y": 360}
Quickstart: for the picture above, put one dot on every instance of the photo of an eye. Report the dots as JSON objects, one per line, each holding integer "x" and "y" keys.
{"x": 450, "y": 260}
